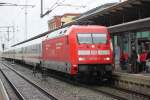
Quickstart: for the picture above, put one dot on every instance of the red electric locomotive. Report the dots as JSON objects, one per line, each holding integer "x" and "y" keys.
{"x": 75, "y": 50}
{"x": 79, "y": 50}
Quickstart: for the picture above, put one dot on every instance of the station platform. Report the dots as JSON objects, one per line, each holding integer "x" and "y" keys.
{"x": 141, "y": 75}
{"x": 120, "y": 71}
{"x": 136, "y": 82}
{"x": 144, "y": 74}
{"x": 139, "y": 78}
{"x": 3, "y": 93}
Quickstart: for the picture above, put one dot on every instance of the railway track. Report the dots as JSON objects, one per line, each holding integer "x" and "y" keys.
{"x": 108, "y": 90}
{"x": 23, "y": 87}
{"x": 125, "y": 94}
{"x": 111, "y": 91}
{"x": 3, "y": 93}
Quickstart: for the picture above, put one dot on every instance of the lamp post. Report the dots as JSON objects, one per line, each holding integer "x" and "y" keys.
{"x": 7, "y": 30}
{"x": 17, "y": 5}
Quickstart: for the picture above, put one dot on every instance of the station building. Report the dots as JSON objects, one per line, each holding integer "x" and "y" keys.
{"x": 128, "y": 23}
{"x": 58, "y": 21}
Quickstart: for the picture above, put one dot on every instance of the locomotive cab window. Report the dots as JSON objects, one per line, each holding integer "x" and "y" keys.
{"x": 89, "y": 38}
{"x": 99, "y": 38}
{"x": 84, "y": 38}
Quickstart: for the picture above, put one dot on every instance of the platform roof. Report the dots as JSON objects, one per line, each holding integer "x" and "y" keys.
{"x": 133, "y": 26}
{"x": 127, "y": 11}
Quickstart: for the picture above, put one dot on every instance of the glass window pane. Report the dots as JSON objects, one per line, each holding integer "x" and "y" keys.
{"x": 145, "y": 34}
{"x": 138, "y": 35}
{"x": 99, "y": 38}
{"x": 84, "y": 38}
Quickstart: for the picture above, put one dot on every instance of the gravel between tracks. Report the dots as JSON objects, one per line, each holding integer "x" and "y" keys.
{"x": 8, "y": 88}
{"x": 28, "y": 91}
{"x": 60, "y": 89}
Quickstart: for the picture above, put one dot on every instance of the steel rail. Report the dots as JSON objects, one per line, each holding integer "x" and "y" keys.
{"x": 101, "y": 91}
{"x": 13, "y": 86}
{"x": 73, "y": 82}
{"x": 107, "y": 93}
{"x": 32, "y": 83}
{"x": 82, "y": 85}
{"x": 98, "y": 90}
{"x": 132, "y": 92}
{"x": 3, "y": 91}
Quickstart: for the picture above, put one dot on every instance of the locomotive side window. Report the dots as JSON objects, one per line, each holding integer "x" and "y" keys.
{"x": 99, "y": 38}
{"x": 57, "y": 33}
{"x": 84, "y": 38}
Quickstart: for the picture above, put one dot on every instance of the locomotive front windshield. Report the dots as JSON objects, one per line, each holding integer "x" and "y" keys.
{"x": 90, "y": 38}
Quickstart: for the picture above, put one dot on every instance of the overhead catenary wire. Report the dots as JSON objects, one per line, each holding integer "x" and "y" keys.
{"x": 12, "y": 4}
{"x": 50, "y": 9}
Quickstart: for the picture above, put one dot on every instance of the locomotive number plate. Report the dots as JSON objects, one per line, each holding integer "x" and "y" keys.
{"x": 93, "y": 52}
{"x": 103, "y": 52}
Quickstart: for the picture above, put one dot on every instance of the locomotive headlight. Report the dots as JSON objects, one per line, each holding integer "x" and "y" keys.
{"x": 107, "y": 58}
{"x": 81, "y": 58}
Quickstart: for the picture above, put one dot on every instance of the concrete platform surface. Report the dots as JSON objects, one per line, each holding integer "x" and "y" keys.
{"x": 140, "y": 78}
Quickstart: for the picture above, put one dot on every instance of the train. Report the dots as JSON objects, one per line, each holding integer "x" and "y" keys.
{"x": 76, "y": 50}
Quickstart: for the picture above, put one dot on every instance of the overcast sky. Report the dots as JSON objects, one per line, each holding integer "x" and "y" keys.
{"x": 15, "y": 16}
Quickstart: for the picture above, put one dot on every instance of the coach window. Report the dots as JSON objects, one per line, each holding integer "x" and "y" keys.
{"x": 36, "y": 48}
{"x": 25, "y": 50}
{"x": 29, "y": 49}
{"x": 40, "y": 48}
{"x": 33, "y": 49}
{"x": 20, "y": 51}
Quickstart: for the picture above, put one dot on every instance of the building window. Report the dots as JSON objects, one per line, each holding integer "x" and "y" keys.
{"x": 138, "y": 35}
{"x": 145, "y": 34}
